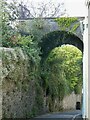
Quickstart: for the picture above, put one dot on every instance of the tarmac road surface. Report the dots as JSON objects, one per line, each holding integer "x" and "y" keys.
{"x": 71, "y": 115}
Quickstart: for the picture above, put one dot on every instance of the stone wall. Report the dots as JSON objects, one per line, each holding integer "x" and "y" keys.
{"x": 18, "y": 87}
{"x": 50, "y": 25}
{"x": 21, "y": 97}
{"x": 69, "y": 102}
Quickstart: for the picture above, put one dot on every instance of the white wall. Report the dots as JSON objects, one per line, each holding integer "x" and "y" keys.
{"x": 89, "y": 63}
{"x": 85, "y": 70}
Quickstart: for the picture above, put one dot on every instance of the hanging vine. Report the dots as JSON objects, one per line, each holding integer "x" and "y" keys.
{"x": 68, "y": 23}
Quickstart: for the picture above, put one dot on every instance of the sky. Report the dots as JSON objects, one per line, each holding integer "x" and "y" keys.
{"x": 74, "y": 8}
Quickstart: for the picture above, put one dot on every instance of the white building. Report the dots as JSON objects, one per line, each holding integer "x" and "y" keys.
{"x": 86, "y": 66}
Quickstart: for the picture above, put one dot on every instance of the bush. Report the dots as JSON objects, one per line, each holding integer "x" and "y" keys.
{"x": 63, "y": 71}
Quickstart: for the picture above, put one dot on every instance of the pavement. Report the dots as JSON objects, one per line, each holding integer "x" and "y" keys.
{"x": 71, "y": 115}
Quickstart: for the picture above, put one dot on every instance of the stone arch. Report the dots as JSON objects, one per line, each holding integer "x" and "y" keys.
{"x": 58, "y": 38}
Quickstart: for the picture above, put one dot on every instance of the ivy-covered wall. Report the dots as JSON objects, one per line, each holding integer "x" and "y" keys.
{"x": 22, "y": 96}
{"x": 40, "y": 27}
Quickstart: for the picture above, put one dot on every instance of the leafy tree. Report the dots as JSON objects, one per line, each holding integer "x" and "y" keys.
{"x": 9, "y": 15}
{"x": 64, "y": 71}
{"x": 72, "y": 66}
{"x": 12, "y": 38}
{"x": 10, "y": 35}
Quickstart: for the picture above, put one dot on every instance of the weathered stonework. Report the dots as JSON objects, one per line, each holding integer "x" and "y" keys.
{"x": 18, "y": 90}
{"x": 19, "y": 96}
{"x": 69, "y": 102}
{"x": 50, "y": 25}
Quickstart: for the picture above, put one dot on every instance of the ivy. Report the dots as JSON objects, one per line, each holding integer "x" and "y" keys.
{"x": 64, "y": 71}
{"x": 68, "y": 23}
{"x": 55, "y": 80}
{"x": 9, "y": 14}
{"x": 74, "y": 28}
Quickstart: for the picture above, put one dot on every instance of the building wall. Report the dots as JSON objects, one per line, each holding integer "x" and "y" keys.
{"x": 89, "y": 61}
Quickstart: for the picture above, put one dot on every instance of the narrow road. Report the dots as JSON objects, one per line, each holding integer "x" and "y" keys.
{"x": 73, "y": 115}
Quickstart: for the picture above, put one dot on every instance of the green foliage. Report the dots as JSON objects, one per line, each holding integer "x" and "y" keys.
{"x": 68, "y": 23}
{"x": 10, "y": 35}
{"x": 9, "y": 14}
{"x": 36, "y": 27}
{"x": 33, "y": 112}
{"x": 63, "y": 71}
{"x": 54, "y": 79}
{"x": 30, "y": 47}
{"x": 72, "y": 66}
{"x": 74, "y": 28}
{"x": 39, "y": 97}
{"x": 61, "y": 74}
{"x": 9, "y": 11}
{"x": 38, "y": 103}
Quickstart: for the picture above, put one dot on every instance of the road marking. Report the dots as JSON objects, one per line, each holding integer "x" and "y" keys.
{"x": 75, "y": 116}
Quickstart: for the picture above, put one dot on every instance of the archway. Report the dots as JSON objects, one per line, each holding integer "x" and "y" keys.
{"x": 58, "y": 38}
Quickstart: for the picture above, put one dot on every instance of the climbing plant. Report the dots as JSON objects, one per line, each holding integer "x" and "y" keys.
{"x": 63, "y": 71}
{"x": 9, "y": 15}
{"x": 68, "y": 23}
{"x": 12, "y": 38}
{"x": 56, "y": 77}
{"x": 36, "y": 27}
